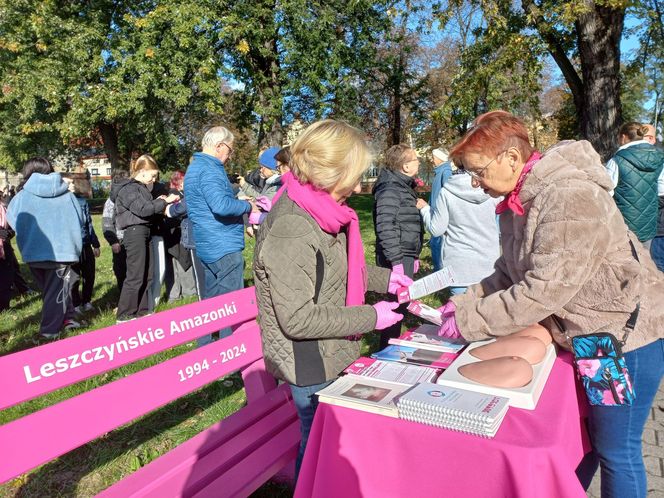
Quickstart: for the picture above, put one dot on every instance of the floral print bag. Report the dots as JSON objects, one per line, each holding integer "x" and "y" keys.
{"x": 600, "y": 363}
{"x": 602, "y": 369}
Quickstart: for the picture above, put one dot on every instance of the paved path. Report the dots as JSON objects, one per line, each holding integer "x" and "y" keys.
{"x": 653, "y": 451}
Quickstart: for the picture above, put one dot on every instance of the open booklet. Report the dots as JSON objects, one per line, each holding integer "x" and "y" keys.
{"x": 428, "y": 285}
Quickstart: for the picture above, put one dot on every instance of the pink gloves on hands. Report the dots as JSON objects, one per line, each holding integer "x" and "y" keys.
{"x": 264, "y": 203}
{"x": 385, "y": 316}
{"x": 256, "y": 217}
{"x": 416, "y": 266}
{"x": 449, "y": 327}
{"x": 398, "y": 269}
{"x": 398, "y": 280}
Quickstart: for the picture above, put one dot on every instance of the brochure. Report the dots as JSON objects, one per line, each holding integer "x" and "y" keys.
{"x": 428, "y": 285}
{"x": 424, "y": 357}
{"x": 418, "y": 308}
{"x": 363, "y": 393}
{"x": 402, "y": 373}
{"x": 426, "y": 337}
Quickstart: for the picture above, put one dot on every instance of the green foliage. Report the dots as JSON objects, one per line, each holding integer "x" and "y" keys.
{"x": 496, "y": 64}
{"x": 645, "y": 74}
{"x": 633, "y": 94}
{"x": 568, "y": 123}
{"x": 129, "y": 73}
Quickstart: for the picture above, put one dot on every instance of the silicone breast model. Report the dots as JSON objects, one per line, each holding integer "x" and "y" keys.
{"x": 507, "y": 371}
{"x": 533, "y": 331}
{"x": 529, "y": 348}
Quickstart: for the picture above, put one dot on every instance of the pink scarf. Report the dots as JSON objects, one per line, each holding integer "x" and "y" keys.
{"x": 512, "y": 200}
{"x": 3, "y": 224}
{"x": 332, "y": 217}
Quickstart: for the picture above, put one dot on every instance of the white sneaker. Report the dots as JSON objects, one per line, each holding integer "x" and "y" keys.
{"x": 71, "y": 324}
{"x": 50, "y": 337}
{"x": 87, "y": 307}
{"x": 78, "y": 310}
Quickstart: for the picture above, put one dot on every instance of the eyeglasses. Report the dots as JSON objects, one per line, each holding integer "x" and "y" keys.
{"x": 230, "y": 149}
{"x": 479, "y": 174}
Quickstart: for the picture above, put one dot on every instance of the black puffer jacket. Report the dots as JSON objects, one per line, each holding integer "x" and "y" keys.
{"x": 134, "y": 204}
{"x": 396, "y": 218}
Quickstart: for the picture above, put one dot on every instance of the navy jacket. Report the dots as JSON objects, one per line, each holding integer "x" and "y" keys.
{"x": 215, "y": 213}
{"x": 87, "y": 229}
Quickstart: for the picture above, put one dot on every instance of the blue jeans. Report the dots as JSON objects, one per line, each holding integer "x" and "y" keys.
{"x": 221, "y": 277}
{"x": 616, "y": 431}
{"x": 657, "y": 252}
{"x": 436, "y": 246}
{"x": 305, "y": 404}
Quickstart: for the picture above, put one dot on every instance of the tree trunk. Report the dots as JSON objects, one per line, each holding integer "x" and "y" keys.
{"x": 270, "y": 96}
{"x": 599, "y": 32}
{"x": 110, "y": 138}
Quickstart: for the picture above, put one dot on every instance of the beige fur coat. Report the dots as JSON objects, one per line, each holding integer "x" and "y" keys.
{"x": 569, "y": 255}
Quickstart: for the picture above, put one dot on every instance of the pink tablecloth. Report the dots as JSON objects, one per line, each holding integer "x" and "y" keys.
{"x": 534, "y": 454}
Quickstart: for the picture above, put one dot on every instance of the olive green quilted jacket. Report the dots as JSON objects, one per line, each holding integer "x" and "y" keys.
{"x": 300, "y": 277}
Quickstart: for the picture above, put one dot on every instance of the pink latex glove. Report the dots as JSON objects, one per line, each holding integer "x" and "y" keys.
{"x": 449, "y": 327}
{"x": 398, "y": 280}
{"x": 398, "y": 269}
{"x": 416, "y": 266}
{"x": 256, "y": 217}
{"x": 264, "y": 203}
{"x": 385, "y": 316}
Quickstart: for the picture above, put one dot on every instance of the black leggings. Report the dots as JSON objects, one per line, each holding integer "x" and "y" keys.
{"x": 85, "y": 268}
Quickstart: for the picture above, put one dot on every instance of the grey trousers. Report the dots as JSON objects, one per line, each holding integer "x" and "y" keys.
{"x": 184, "y": 282}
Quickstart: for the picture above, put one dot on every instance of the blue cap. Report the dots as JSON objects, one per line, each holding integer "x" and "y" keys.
{"x": 267, "y": 158}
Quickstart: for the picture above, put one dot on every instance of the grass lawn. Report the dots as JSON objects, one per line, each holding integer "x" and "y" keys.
{"x": 96, "y": 465}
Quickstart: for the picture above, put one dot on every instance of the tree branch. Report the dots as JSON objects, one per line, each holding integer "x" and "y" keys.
{"x": 556, "y": 49}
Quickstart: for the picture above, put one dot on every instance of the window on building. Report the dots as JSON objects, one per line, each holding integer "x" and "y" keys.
{"x": 95, "y": 172}
{"x": 108, "y": 171}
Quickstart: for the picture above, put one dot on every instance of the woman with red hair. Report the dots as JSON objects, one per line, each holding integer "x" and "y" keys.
{"x": 569, "y": 262}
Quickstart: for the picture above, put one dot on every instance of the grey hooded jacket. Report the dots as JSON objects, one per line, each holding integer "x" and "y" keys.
{"x": 466, "y": 216}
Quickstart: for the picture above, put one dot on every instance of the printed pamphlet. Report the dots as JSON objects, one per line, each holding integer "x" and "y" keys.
{"x": 428, "y": 285}
{"x": 364, "y": 393}
{"x": 426, "y": 337}
{"x": 402, "y": 373}
{"x": 418, "y": 308}
{"x": 424, "y": 357}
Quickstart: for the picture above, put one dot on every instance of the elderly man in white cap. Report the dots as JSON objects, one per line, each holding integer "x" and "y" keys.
{"x": 441, "y": 172}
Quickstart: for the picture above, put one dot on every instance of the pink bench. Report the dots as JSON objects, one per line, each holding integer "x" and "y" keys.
{"x": 232, "y": 458}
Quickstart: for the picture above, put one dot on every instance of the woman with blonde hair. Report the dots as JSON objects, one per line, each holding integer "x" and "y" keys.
{"x": 310, "y": 271}
{"x": 135, "y": 209}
